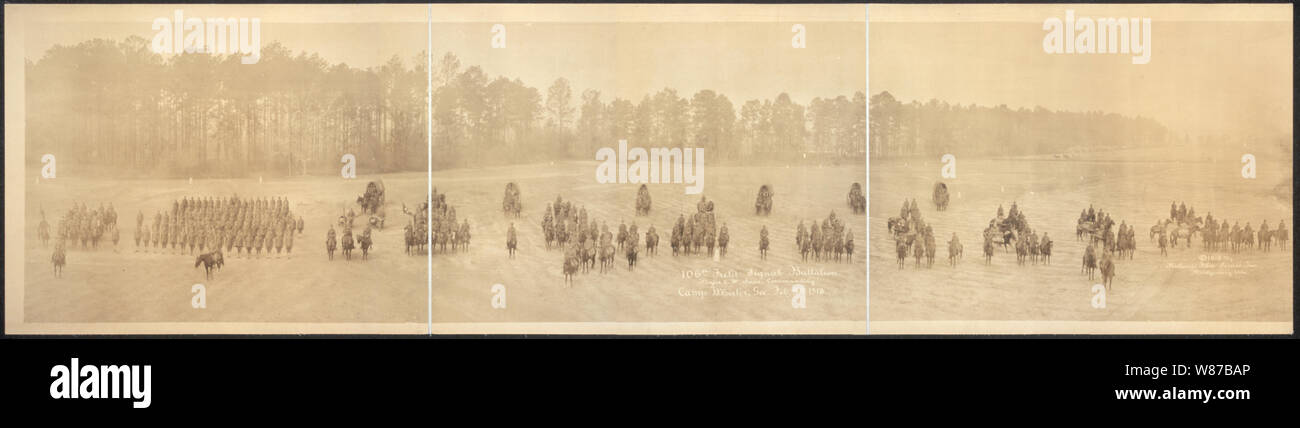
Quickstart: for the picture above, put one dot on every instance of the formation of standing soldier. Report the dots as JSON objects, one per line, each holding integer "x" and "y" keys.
{"x": 232, "y": 224}
{"x": 85, "y": 226}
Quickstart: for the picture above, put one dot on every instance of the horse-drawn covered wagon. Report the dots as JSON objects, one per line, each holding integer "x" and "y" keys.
{"x": 512, "y": 203}
{"x": 857, "y": 200}
{"x": 940, "y": 196}
{"x": 643, "y": 201}
{"x": 763, "y": 204}
{"x": 372, "y": 203}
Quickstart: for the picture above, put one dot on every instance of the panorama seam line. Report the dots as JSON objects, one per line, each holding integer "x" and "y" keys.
{"x": 428, "y": 102}
{"x": 866, "y": 34}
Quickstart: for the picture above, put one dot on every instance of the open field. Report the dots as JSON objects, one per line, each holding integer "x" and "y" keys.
{"x": 1135, "y": 188}
{"x": 658, "y": 290}
{"x": 125, "y": 285}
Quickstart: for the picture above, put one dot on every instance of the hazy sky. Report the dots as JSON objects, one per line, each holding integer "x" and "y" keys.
{"x": 1232, "y": 75}
{"x": 740, "y": 60}
{"x": 741, "y": 51}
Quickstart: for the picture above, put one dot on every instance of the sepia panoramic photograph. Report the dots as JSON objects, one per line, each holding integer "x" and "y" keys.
{"x": 227, "y": 169}
{"x": 1081, "y": 169}
{"x": 650, "y": 169}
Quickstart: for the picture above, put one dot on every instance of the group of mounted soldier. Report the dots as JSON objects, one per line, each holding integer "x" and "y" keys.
{"x": 1216, "y": 234}
{"x": 1012, "y": 231}
{"x": 82, "y": 226}
{"x": 1104, "y": 242}
{"x": 584, "y": 241}
{"x": 365, "y": 240}
{"x": 913, "y": 236}
{"x": 444, "y": 227}
{"x": 699, "y": 233}
{"x": 79, "y": 226}
{"x": 827, "y": 241}
{"x": 1098, "y": 228}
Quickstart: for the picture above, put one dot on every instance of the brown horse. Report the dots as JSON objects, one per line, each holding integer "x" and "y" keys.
{"x": 330, "y": 245}
{"x": 1107, "y": 272}
{"x": 210, "y": 261}
{"x": 954, "y": 252}
{"x": 1089, "y": 261}
{"x": 59, "y": 259}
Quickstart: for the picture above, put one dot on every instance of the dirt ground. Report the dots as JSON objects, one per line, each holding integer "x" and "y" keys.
{"x": 123, "y": 284}
{"x": 1137, "y": 188}
{"x": 662, "y": 288}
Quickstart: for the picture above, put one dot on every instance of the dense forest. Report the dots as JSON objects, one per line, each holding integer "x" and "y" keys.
{"x": 481, "y": 121}
{"x": 119, "y": 108}
{"x": 936, "y": 128}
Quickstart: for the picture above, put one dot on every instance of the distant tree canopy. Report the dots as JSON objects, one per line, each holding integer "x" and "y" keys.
{"x": 104, "y": 103}
{"x": 936, "y": 128}
{"x": 116, "y": 105}
{"x": 480, "y": 121}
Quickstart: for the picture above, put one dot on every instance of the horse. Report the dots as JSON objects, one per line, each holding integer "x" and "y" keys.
{"x": 210, "y": 260}
{"x": 365, "y": 246}
{"x": 511, "y": 244}
{"x": 1007, "y": 238}
{"x": 1089, "y": 261}
{"x": 896, "y": 223}
{"x": 59, "y": 259}
{"x": 409, "y": 236}
{"x": 348, "y": 245}
{"x": 570, "y": 268}
{"x": 548, "y": 229}
{"x": 630, "y": 253}
{"x": 651, "y": 244}
{"x": 1022, "y": 251}
{"x": 1107, "y": 272}
{"x": 848, "y": 249}
{"x": 929, "y": 250}
{"x": 1129, "y": 244}
{"x": 43, "y": 231}
{"x": 954, "y": 252}
{"x": 902, "y": 253}
{"x": 588, "y": 257}
{"x": 1184, "y": 233}
{"x": 330, "y": 245}
{"x": 918, "y": 251}
{"x": 606, "y": 257}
